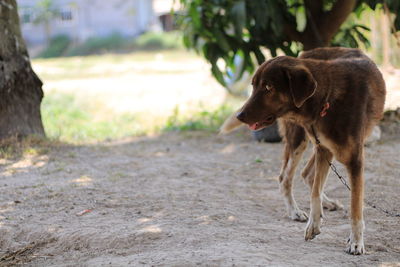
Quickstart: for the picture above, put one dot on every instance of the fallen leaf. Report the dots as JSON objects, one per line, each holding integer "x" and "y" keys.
{"x": 83, "y": 212}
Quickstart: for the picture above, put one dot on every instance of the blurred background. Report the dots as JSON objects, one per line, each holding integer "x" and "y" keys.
{"x": 117, "y": 68}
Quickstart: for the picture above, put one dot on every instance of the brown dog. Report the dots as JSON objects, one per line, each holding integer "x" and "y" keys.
{"x": 334, "y": 95}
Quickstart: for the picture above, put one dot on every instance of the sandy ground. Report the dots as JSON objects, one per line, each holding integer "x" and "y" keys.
{"x": 182, "y": 200}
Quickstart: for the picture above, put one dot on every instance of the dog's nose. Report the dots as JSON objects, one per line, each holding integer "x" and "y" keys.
{"x": 241, "y": 115}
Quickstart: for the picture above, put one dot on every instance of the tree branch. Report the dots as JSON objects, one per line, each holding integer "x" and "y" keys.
{"x": 315, "y": 8}
{"x": 291, "y": 32}
{"x": 312, "y": 37}
{"x": 332, "y": 20}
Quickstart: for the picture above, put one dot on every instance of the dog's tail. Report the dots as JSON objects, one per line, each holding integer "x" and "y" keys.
{"x": 230, "y": 124}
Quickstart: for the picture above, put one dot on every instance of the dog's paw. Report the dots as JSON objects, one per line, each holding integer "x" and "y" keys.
{"x": 355, "y": 243}
{"x": 355, "y": 247}
{"x": 331, "y": 205}
{"x": 298, "y": 215}
{"x": 313, "y": 229}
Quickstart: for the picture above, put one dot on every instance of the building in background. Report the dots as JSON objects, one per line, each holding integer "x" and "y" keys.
{"x": 81, "y": 19}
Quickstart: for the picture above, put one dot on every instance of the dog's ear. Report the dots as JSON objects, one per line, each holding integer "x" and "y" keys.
{"x": 302, "y": 84}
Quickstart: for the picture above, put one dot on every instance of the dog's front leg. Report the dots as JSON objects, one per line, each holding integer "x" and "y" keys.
{"x": 292, "y": 156}
{"x": 355, "y": 169}
{"x": 308, "y": 174}
{"x": 322, "y": 158}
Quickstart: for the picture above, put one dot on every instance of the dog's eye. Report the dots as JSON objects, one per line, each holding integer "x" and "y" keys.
{"x": 269, "y": 88}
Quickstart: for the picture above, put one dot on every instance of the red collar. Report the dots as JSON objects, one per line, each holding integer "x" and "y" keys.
{"x": 324, "y": 109}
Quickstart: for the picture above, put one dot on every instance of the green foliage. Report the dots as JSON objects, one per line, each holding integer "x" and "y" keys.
{"x": 66, "y": 119}
{"x": 223, "y": 30}
{"x": 45, "y": 4}
{"x": 203, "y": 120}
{"x": 393, "y": 6}
{"x": 99, "y": 45}
{"x": 45, "y": 11}
{"x": 158, "y": 41}
{"x": 351, "y": 37}
{"x": 117, "y": 43}
{"x": 58, "y": 45}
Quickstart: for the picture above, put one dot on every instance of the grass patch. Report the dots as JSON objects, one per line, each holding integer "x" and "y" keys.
{"x": 159, "y": 41}
{"x": 71, "y": 115}
{"x": 83, "y": 67}
{"x": 12, "y": 148}
{"x": 203, "y": 120}
{"x": 100, "y": 45}
{"x": 69, "y": 120}
{"x": 61, "y": 46}
{"x": 58, "y": 45}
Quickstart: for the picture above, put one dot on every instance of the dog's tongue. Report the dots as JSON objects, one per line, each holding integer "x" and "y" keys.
{"x": 253, "y": 126}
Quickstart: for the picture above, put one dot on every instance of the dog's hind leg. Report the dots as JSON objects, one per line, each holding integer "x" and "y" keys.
{"x": 330, "y": 204}
{"x": 308, "y": 174}
{"x": 295, "y": 144}
{"x": 321, "y": 171}
{"x": 355, "y": 169}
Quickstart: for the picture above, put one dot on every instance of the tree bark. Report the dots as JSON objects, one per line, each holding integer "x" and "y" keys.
{"x": 322, "y": 26}
{"x": 20, "y": 88}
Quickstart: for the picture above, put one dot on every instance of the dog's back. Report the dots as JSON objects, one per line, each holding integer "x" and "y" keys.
{"x": 364, "y": 70}
{"x": 331, "y": 53}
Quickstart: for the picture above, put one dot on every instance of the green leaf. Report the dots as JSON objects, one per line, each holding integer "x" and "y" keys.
{"x": 362, "y": 27}
{"x": 222, "y": 29}
{"x": 276, "y": 17}
{"x": 259, "y": 12}
{"x": 218, "y": 74}
{"x": 359, "y": 10}
{"x": 397, "y": 21}
{"x": 273, "y": 51}
{"x": 239, "y": 17}
{"x": 362, "y": 38}
{"x": 352, "y": 41}
{"x": 259, "y": 55}
{"x": 221, "y": 40}
{"x": 372, "y": 3}
{"x": 194, "y": 13}
{"x": 242, "y": 67}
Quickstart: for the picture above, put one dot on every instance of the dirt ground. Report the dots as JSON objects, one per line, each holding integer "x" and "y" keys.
{"x": 182, "y": 199}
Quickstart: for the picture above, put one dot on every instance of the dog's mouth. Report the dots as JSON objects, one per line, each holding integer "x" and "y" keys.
{"x": 262, "y": 124}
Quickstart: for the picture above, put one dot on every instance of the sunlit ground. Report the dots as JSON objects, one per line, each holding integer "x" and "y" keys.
{"x": 112, "y": 96}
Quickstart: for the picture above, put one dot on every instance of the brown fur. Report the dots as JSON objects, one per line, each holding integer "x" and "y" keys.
{"x": 294, "y": 91}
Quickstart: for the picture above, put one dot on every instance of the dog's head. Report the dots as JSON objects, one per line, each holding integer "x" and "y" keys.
{"x": 280, "y": 85}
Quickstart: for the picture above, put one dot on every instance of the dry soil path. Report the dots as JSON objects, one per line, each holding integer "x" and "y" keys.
{"x": 181, "y": 200}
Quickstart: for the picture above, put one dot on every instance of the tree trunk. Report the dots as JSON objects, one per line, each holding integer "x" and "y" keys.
{"x": 20, "y": 89}
{"x": 322, "y": 25}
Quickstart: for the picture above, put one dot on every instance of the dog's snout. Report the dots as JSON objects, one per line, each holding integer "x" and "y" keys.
{"x": 241, "y": 116}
